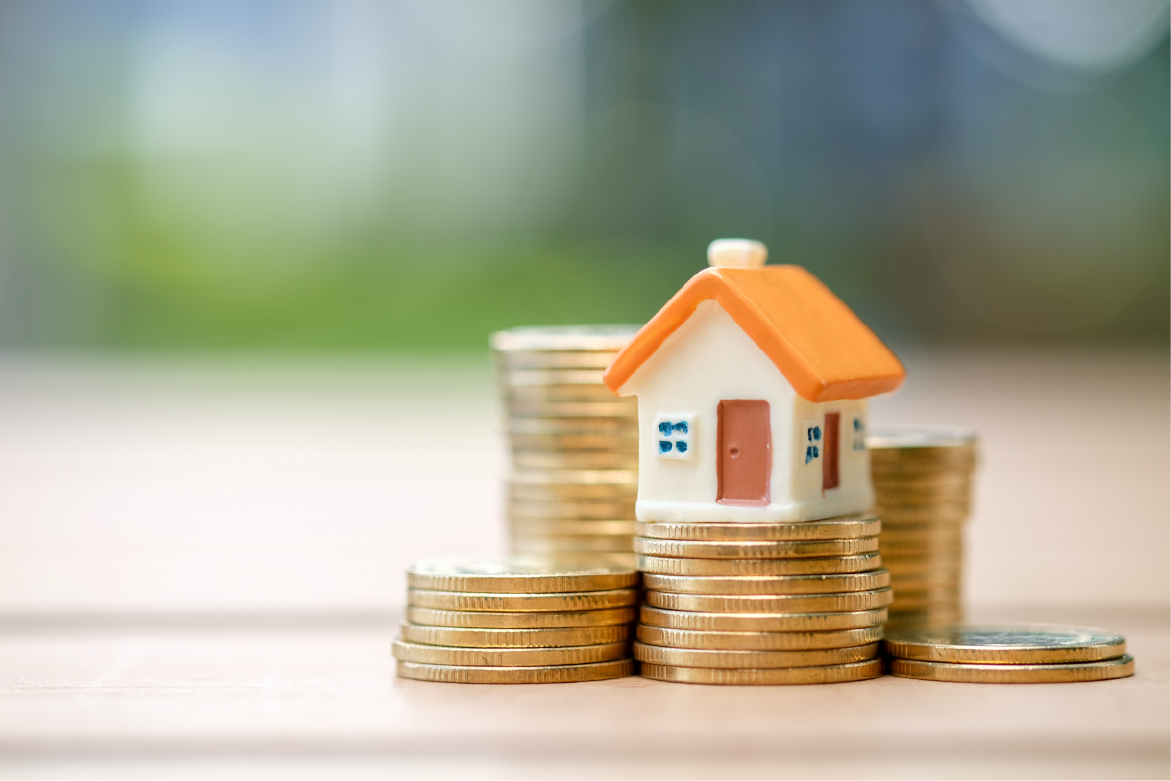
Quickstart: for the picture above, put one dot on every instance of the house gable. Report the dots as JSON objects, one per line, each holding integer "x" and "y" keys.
{"x": 709, "y": 359}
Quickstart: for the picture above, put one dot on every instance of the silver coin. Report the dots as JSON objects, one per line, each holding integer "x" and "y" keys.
{"x": 1006, "y": 644}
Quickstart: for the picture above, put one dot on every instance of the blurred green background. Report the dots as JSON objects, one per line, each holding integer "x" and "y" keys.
{"x": 352, "y": 175}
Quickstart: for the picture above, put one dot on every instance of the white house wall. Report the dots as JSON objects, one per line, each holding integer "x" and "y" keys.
{"x": 855, "y": 492}
{"x": 709, "y": 359}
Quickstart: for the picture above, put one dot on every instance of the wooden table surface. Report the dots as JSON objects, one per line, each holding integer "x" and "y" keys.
{"x": 201, "y": 570}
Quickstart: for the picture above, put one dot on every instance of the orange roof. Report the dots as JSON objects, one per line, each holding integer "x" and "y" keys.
{"x": 823, "y": 349}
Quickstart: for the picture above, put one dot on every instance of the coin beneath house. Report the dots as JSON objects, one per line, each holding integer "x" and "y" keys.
{"x": 567, "y": 673}
{"x": 660, "y": 565}
{"x": 747, "y": 549}
{"x": 516, "y": 575}
{"x": 839, "y": 673}
{"x": 772, "y": 603}
{"x": 1006, "y": 644}
{"x": 420, "y": 653}
{"x": 777, "y": 584}
{"x": 551, "y": 637}
{"x": 1072, "y": 672}
{"x": 845, "y": 527}
{"x": 758, "y": 641}
{"x": 757, "y": 660}
{"x": 483, "y": 619}
{"x": 761, "y": 622}
{"x": 524, "y": 603}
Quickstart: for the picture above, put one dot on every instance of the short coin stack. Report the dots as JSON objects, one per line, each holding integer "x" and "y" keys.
{"x": 762, "y": 603}
{"x": 923, "y": 483}
{"x": 1041, "y": 653}
{"x": 574, "y": 445}
{"x": 516, "y": 620}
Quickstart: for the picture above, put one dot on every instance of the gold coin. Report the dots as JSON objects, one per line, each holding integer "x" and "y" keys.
{"x": 756, "y": 660}
{"x": 571, "y": 511}
{"x": 914, "y": 583}
{"x": 837, "y": 673}
{"x": 574, "y": 409}
{"x": 532, "y": 528}
{"x": 760, "y": 622}
{"x": 758, "y": 641}
{"x": 771, "y": 603}
{"x": 556, "y": 392}
{"x": 894, "y": 513}
{"x": 506, "y": 603}
{"x": 891, "y": 498}
{"x": 600, "y": 491}
{"x": 621, "y": 426}
{"x": 954, "y": 481}
{"x": 777, "y": 584}
{"x": 531, "y": 543}
{"x": 925, "y": 459}
{"x": 507, "y": 657}
{"x": 460, "y": 637}
{"x": 555, "y": 360}
{"x": 492, "y": 620}
{"x": 1073, "y": 672}
{"x": 587, "y": 459}
{"x": 565, "y": 673}
{"x": 918, "y": 619}
{"x": 920, "y": 547}
{"x": 930, "y": 594}
{"x": 920, "y": 528}
{"x": 573, "y": 442}
{"x": 769, "y": 549}
{"x": 516, "y": 575}
{"x": 916, "y": 439}
{"x": 769, "y": 567}
{"x": 524, "y": 376}
{"x": 576, "y": 477}
{"x": 938, "y": 536}
{"x": 845, "y": 527}
{"x": 921, "y": 563}
{"x": 592, "y": 361}
{"x": 561, "y": 338}
{"x": 905, "y": 568}
{"x": 1007, "y": 644}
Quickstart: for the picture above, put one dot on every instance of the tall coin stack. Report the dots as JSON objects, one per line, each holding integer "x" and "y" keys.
{"x": 923, "y": 483}
{"x": 516, "y": 620}
{"x": 574, "y": 445}
{"x": 762, "y": 603}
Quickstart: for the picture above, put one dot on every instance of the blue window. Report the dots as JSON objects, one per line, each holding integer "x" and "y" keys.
{"x": 674, "y": 432}
{"x": 812, "y": 441}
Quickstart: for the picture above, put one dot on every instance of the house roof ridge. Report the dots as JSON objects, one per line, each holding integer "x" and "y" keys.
{"x": 791, "y": 316}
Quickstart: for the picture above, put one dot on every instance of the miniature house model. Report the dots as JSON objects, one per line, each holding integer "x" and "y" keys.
{"x": 752, "y": 385}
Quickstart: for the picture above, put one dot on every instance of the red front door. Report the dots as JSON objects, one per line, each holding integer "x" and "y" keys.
{"x": 830, "y": 446}
{"x": 744, "y": 466}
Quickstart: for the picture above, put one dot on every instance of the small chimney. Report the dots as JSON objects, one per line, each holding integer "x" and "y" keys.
{"x": 736, "y": 253}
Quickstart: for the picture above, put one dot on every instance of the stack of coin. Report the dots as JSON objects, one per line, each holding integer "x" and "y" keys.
{"x": 762, "y": 603}
{"x": 574, "y": 445}
{"x": 1041, "y": 653}
{"x": 923, "y": 483}
{"x": 522, "y": 619}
